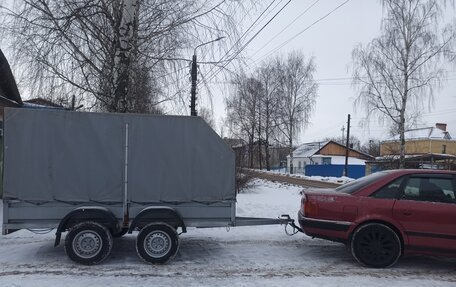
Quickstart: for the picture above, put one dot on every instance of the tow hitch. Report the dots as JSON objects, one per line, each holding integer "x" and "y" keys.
{"x": 291, "y": 222}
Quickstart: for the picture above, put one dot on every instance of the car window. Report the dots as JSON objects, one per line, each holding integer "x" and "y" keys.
{"x": 432, "y": 189}
{"x": 412, "y": 189}
{"x": 389, "y": 191}
{"x": 447, "y": 186}
{"x": 362, "y": 182}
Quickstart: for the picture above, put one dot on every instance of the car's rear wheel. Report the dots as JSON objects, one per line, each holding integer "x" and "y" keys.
{"x": 376, "y": 245}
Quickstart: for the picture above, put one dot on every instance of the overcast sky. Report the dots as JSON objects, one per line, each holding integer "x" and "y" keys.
{"x": 331, "y": 42}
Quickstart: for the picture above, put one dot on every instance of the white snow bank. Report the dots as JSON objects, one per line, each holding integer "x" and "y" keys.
{"x": 341, "y": 180}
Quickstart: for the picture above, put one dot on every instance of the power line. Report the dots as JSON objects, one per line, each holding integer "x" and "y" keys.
{"x": 238, "y": 7}
{"x": 326, "y": 132}
{"x": 325, "y": 82}
{"x": 250, "y": 40}
{"x": 205, "y": 82}
{"x": 246, "y": 32}
{"x": 322, "y": 82}
{"x": 286, "y": 27}
{"x": 302, "y": 31}
{"x": 252, "y": 26}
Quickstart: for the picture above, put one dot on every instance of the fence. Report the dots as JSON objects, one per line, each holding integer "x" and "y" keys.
{"x": 354, "y": 171}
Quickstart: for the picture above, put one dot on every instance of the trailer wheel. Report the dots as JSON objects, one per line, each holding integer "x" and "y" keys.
{"x": 88, "y": 243}
{"x": 157, "y": 243}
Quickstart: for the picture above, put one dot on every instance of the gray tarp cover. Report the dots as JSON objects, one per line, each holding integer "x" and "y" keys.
{"x": 80, "y": 157}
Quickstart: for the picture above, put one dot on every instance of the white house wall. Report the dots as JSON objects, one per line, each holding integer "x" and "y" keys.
{"x": 299, "y": 163}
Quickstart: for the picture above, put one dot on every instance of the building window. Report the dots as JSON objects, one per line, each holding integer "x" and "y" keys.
{"x": 444, "y": 148}
{"x": 299, "y": 164}
{"x": 326, "y": 160}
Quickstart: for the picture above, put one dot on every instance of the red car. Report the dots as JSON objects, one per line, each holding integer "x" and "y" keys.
{"x": 386, "y": 214}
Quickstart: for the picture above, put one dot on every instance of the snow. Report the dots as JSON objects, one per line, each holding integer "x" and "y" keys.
{"x": 423, "y": 133}
{"x": 308, "y": 149}
{"x": 245, "y": 256}
{"x": 341, "y": 180}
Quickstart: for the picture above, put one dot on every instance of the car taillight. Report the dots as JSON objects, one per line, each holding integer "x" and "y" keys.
{"x": 303, "y": 203}
{"x": 308, "y": 208}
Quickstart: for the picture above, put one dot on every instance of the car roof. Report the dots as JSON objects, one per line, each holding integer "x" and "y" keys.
{"x": 421, "y": 171}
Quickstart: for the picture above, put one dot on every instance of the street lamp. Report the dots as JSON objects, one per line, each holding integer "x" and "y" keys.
{"x": 194, "y": 75}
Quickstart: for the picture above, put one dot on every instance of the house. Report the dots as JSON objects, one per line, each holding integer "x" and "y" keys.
{"x": 327, "y": 159}
{"x": 429, "y": 147}
{"x": 32, "y": 103}
{"x": 42, "y": 103}
{"x": 9, "y": 94}
{"x": 422, "y": 141}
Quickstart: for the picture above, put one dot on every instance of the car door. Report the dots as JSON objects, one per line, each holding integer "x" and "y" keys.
{"x": 427, "y": 212}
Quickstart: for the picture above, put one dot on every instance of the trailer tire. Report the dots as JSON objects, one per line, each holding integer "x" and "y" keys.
{"x": 88, "y": 243}
{"x": 157, "y": 243}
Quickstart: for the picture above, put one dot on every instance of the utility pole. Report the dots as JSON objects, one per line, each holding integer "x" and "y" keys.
{"x": 194, "y": 74}
{"x": 194, "y": 77}
{"x": 347, "y": 147}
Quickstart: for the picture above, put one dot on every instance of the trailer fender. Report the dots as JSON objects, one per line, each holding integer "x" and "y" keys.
{"x": 158, "y": 213}
{"x": 97, "y": 214}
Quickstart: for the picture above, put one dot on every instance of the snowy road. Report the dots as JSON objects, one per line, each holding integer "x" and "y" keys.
{"x": 245, "y": 256}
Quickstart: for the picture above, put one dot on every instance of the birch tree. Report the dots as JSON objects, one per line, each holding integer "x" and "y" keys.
{"x": 124, "y": 44}
{"x": 273, "y": 103}
{"x": 119, "y": 55}
{"x": 396, "y": 73}
{"x": 268, "y": 78}
{"x": 242, "y": 114}
{"x": 297, "y": 95}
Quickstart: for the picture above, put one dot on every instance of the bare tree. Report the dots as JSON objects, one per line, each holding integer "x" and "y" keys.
{"x": 268, "y": 78}
{"x": 273, "y": 103}
{"x": 207, "y": 115}
{"x": 117, "y": 55}
{"x": 242, "y": 114}
{"x": 398, "y": 71}
{"x": 372, "y": 147}
{"x": 297, "y": 94}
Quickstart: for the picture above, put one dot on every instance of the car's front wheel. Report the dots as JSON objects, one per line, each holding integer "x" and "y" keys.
{"x": 376, "y": 245}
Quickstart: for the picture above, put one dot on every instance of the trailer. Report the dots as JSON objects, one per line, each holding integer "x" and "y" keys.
{"x": 97, "y": 176}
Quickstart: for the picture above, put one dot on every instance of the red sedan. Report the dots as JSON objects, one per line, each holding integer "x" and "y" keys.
{"x": 386, "y": 214}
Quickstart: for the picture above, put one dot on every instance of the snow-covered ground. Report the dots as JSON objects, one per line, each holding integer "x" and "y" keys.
{"x": 244, "y": 256}
{"x": 341, "y": 180}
